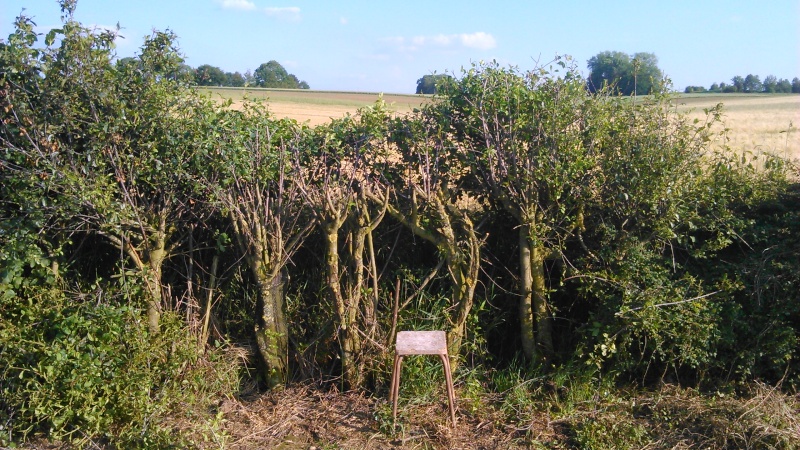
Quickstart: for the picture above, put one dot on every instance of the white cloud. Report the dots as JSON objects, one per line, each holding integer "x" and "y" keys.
{"x": 291, "y": 13}
{"x": 242, "y": 5}
{"x": 343, "y": 20}
{"x": 479, "y": 40}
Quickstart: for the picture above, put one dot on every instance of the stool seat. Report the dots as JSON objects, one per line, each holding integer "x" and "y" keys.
{"x": 421, "y": 343}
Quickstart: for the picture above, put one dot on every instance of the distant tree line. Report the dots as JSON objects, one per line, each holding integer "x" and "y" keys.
{"x": 614, "y": 72}
{"x": 751, "y": 84}
{"x": 269, "y": 75}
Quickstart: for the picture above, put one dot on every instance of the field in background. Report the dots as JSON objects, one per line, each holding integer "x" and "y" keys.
{"x": 756, "y": 122}
{"x": 317, "y": 107}
{"x": 765, "y": 123}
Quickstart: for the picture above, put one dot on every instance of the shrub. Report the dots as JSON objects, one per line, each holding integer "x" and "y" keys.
{"x": 76, "y": 370}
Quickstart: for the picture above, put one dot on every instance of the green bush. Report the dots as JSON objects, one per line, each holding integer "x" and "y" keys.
{"x": 77, "y": 370}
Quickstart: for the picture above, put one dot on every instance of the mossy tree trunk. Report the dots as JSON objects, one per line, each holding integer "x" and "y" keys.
{"x": 346, "y": 277}
{"x": 272, "y": 330}
{"x": 536, "y": 322}
{"x": 269, "y": 226}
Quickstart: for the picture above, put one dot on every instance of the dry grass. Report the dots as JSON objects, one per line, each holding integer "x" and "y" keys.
{"x": 681, "y": 419}
{"x": 670, "y": 417}
{"x": 305, "y": 417}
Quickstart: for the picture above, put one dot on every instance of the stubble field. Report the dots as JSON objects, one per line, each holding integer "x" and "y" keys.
{"x": 316, "y": 107}
{"x": 757, "y": 123}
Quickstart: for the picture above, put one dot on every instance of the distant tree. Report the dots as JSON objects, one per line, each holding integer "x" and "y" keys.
{"x": 694, "y": 89}
{"x": 752, "y": 83}
{"x": 610, "y": 68}
{"x": 770, "y": 84}
{"x": 626, "y": 74}
{"x": 208, "y": 75}
{"x": 784, "y": 86}
{"x": 273, "y": 75}
{"x": 738, "y": 84}
{"x": 648, "y": 77}
{"x": 270, "y": 74}
{"x": 292, "y": 81}
{"x": 427, "y": 84}
{"x": 234, "y": 79}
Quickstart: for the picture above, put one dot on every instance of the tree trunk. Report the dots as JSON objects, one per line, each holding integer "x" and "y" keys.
{"x": 152, "y": 280}
{"x": 463, "y": 294}
{"x": 352, "y": 344}
{"x": 541, "y": 307}
{"x": 526, "y": 320}
{"x": 464, "y": 266}
{"x": 534, "y": 310}
{"x": 372, "y": 304}
{"x": 272, "y": 333}
{"x": 347, "y": 308}
{"x": 157, "y": 253}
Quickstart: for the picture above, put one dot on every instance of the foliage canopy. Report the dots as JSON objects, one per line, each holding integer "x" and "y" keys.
{"x": 626, "y": 74}
{"x": 272, "y": 75}
{"x": 428, "y": 83}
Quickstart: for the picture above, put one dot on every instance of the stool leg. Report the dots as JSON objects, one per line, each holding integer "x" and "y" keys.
{"x": 394, "y": 375}
{"x": 395, "y": 392}
{"x": 451, "y": 396}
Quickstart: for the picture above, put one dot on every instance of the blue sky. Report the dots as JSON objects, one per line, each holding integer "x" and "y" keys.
{"x": 380, "y": 46}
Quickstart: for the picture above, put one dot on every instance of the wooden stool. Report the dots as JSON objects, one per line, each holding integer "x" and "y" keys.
{"x": 421, "y": 343}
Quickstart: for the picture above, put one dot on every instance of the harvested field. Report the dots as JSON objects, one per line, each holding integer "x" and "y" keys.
{"x": 759, "y": 123}
{"x": 317, "y": 107}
